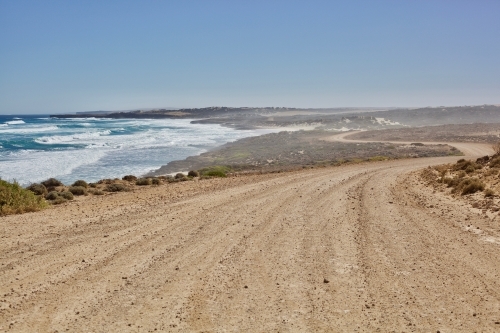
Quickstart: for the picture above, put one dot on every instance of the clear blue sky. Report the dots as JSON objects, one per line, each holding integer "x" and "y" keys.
{"x": 64, "y": 56}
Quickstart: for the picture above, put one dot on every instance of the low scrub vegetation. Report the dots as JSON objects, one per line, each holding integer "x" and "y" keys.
{"x": 180, "y": 177}
{"x": 66, "y": 195}
{"x": 215, "y": 171}
{"x": 78, "y": 190}
{"x": 468, "y": 178}
{"x": 143, "y": 181}
{"x": 116, "y": 188}
{"x": 38, "y": 189}
{"x": 16, "y": 200}
{"x": 129, "y": 178}
{"x": 469, "y": 186}
{"x": 52, "y": 182}
{"x": 489, "y": 193}
{"x": 193, "y": 173}
{"x": 96, "y": 192}
{"x": 54, "y": 196}
{"x": 81, "y": 183}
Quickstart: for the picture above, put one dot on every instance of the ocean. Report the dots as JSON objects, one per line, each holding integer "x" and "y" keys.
{"x": 36, "y": 147}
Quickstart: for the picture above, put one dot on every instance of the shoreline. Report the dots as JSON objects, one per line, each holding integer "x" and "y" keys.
{"x": 265, "y": 131}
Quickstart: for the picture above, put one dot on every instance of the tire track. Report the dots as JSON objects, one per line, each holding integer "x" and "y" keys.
{"x": 353, "y": 248}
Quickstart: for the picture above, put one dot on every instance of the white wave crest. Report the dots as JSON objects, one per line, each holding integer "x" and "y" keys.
{"x": 71, "y": 138}
{"x": 15, "y": 122}
{"x": 25, "y": 130}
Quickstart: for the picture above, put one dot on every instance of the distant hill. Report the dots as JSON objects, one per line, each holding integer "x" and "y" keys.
{"x": 443, "y": 115}
{"x": 357, "y": 118}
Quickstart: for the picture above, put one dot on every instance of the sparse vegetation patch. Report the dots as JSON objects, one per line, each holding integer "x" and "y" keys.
{"x": 16, "y": 200}
{"x": 474, "y": 181}
{"x": 143, "y": 181}
{"x": 129, "y": 178}
{"x": 291, "y": 150}
{"x": 116, "y": 188}
{"x": 193, "y": 173}
{"x": 78, "y": 190}
{"x": 52, "y": 182}
{"x": 215, "y": 171}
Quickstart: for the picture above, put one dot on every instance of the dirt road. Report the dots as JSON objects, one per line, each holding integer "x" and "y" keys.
{"x": 362, "y": 248}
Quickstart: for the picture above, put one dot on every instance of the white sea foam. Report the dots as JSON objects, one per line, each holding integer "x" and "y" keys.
{"x": 37, "y": 166}
{"x": 85, "y": 137}
{"x": 108, "y": 148}
{"x": 29, "y": 129}
{"x": 15, "y": 122}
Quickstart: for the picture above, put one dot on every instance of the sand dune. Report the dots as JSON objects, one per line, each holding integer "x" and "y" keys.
{"x": 360, "y": 248}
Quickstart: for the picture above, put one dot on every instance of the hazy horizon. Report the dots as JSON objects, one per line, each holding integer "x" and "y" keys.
{"x": 305, "y": 108}
{"x": 66, "y": 57}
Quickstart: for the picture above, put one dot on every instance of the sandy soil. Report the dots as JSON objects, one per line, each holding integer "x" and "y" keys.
{"x": 361, "y": 248}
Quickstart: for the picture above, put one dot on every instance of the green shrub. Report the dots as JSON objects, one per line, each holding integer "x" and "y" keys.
{"x": 81, "y": 183}
{"x": 193, "y": 173}
{"x": 52, "y": 182}
{"x": 58, "y": 201}
{"x": 143, "y": 181}
{"x": 156, "y": 181}
{"x": 78, "y": 190}
{"x": 38, "y": 189}
{"x": 93, "y": 185}
{"x": 66, "y": 195}
{"x": 129, "y": 178}
{"x": 215, "y": 171}
{"x": 116, "y": 188}
{"x": 16, "y": 200}
{"x": 53, "y": 195}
